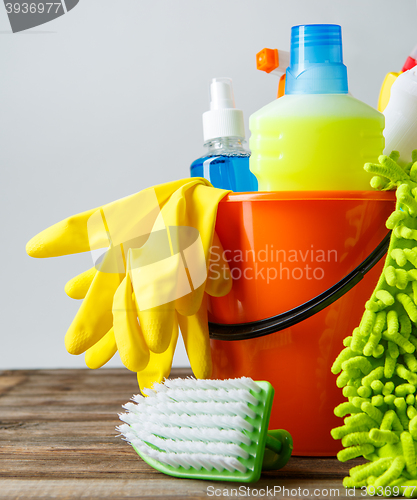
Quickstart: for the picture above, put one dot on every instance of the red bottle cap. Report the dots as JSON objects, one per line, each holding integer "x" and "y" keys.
{"x": 409, "y": 63}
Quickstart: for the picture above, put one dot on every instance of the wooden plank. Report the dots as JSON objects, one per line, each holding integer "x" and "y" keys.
{"x": 64, "y": 461}
{"x": 58, "y": 431}
{"x": 11, "y": 382}
{"x": 168, "y": 488}
{"x": 99, "y": 398}
{"x": 8, "y": 415}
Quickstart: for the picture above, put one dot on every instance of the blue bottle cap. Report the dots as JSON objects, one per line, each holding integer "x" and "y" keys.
{"x": 316, "y": 61}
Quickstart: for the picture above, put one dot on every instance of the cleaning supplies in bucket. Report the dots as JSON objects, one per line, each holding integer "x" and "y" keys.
{"x": 401, "y": 116}
{"x": 226, "y": 162}
{"x": 302, "y": 256}
{"x": 315, "y": 137}
{"x": 378, "y": 367}
{"x": 153, "y": 265}
{"x": 207, "y": 429}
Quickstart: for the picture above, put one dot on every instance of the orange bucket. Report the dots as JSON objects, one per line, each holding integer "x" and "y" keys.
{"x": 303, "y": 266}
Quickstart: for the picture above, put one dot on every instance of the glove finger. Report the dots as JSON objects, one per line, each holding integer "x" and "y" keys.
{"x": 77, "y": 287}
{"x": 194, "y": 330}
{"x": 133, "y": 350}
{"x": 157, "y": 324}
{"x": 219, "y": 280}
{"x": 79, "y": 233}
{"x": 159, "y": 366}
{"x": 94, "y": 318}
{"x": 102, "y": 351}
{"x": 63, "y": 238}
{"x": 154, "y": 287}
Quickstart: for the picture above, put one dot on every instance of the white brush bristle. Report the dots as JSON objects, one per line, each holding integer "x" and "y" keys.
{"x": 198, "y": 424}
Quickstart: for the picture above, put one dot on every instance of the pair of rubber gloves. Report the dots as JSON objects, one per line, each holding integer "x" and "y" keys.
{"x": 154, "y": 265}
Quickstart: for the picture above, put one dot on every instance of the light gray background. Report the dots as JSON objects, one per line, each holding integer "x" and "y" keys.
{"x": 107, "y": 100}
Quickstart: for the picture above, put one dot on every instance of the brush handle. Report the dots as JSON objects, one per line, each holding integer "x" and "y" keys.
{"x": 278, "y": 449}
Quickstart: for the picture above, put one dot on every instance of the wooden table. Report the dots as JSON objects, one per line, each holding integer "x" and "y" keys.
{"x": 58, "y": 441}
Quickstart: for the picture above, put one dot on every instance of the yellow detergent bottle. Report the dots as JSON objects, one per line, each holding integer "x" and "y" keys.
{"x": 315, "y": 137}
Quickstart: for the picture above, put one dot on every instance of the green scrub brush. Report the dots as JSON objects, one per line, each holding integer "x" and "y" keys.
{"x": 207, "y": 429}
{"x": 378, "y": 367}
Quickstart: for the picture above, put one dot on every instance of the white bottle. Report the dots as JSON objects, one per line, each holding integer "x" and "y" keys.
{"x": 401, "y": 116}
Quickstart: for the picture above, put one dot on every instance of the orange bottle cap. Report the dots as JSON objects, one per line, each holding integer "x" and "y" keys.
{"x": 267, "y": 60}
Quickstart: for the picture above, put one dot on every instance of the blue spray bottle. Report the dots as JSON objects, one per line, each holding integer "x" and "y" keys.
{"x": 226, "y": 162}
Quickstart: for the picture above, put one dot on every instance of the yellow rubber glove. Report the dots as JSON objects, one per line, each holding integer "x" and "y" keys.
{"x": 197, "y": 344}
{"x": 108, "y": 226}
{"x": 92, "y": 328}
{"x": 169, "y": 277}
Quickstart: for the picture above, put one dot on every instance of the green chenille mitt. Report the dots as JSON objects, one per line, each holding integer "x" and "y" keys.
{"x": 378, "y": 366}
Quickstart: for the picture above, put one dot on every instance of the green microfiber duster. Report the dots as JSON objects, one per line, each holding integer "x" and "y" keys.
{"x": 378, "y": 367}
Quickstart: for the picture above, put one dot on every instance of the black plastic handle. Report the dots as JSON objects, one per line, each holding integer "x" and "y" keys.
{"x": 245, "y": 331}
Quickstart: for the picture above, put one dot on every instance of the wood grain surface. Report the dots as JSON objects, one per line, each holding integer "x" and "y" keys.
{"x": 58, "y": 441}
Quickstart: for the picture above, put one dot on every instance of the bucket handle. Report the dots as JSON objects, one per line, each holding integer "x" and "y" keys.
{"x": 260, "y": 328}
